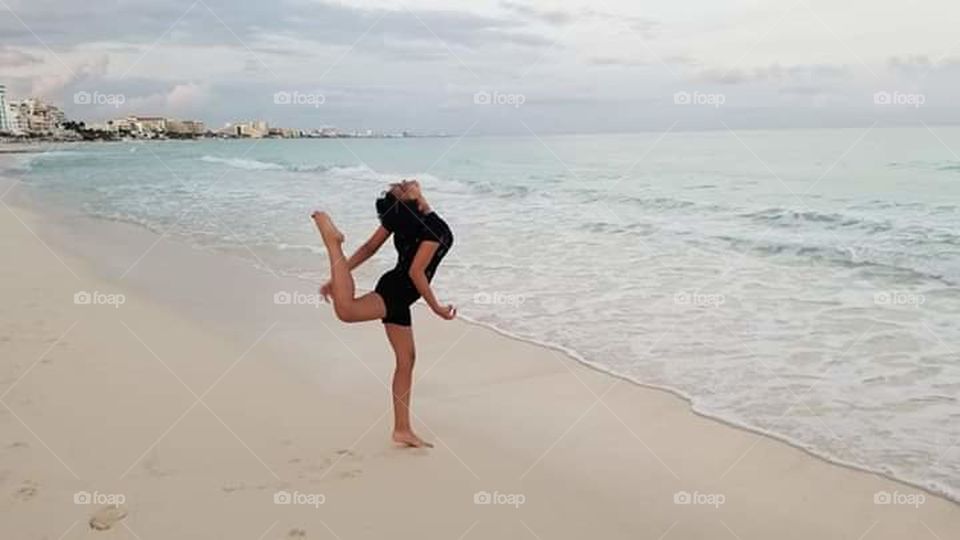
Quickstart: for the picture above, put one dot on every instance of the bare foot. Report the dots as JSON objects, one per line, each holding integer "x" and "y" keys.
{"x": 329, "y": 231}
{"x": 408, "y": 439}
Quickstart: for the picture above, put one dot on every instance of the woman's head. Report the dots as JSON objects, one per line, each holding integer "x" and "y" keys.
{"x": 397, "y": 208}
{"x": 405, "y": 190}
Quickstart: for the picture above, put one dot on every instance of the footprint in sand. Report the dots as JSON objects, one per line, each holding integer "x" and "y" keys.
{"x": 230, "y": 487}
{"x": 152, "y": 465}
{"x": 107, "y": 517}
{"x": 353, "y": 473}
{"x": 26, "y": 491}
{"x": 345, "y": 454}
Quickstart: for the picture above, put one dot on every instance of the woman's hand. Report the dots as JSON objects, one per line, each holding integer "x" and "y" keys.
{"x": 325, "y": 290}
{"x": 447, "y": 313}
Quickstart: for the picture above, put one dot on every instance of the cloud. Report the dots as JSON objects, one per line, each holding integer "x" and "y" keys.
{"x": 554, "y": 17}
{"x": 11, "y": 58}
{"x": 627, "y": 62}
{"x": 187, "y": 97}
{"x": 610, "y": 61}
{"x": 180, "y": 100}
{"x": 645, "y": 26}
{"x": 55, "y": 84}
{"x": 774, "y": 73}
{"x": 246, "y": 23}
{"x": 920, "y": 65}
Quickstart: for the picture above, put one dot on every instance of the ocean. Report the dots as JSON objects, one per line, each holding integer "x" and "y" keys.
{"x": 800, "y": 283}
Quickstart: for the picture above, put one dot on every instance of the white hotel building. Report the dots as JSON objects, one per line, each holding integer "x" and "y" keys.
{"x": 11, "y": 119}
{"x": 5, "y": 124}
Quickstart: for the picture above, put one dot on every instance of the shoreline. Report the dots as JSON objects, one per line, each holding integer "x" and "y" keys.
{"x": 577, "y": 357}
{"x": 518, "y": 376}
{"x": 571, "y": 355}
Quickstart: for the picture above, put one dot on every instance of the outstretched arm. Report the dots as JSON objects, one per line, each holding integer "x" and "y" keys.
{"x": 368, "y": 248}
{"x": 418, "y": 274}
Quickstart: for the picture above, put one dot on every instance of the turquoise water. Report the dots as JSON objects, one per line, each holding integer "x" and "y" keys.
{"x": 800, "y": 283}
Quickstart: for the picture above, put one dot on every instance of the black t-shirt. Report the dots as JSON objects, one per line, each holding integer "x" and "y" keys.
{"x": 416, "y": 229}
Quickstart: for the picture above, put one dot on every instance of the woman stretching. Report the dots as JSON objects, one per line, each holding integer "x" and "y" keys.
{"x": 422, "y": 239}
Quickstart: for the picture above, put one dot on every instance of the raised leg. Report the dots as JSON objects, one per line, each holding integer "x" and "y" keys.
{"x": 401, "y": 339}
{"x": 347, "y": 307}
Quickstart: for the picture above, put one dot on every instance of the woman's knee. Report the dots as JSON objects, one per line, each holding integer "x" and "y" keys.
{"x": 345, "y": 312}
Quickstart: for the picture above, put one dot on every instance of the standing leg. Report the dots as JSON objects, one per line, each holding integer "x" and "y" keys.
{"x": 348, "y": 309}
{"x": 401, "y": 339}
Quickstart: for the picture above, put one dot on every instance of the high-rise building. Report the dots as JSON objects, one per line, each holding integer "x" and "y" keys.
{"x": 15, "y": 122}
{"x": 5, "y": 126}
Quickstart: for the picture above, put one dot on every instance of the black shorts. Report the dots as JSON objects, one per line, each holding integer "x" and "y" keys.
{"x": 398, "y": 293}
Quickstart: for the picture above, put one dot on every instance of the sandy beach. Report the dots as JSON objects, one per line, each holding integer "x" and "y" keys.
{"x": 145, "y": 373}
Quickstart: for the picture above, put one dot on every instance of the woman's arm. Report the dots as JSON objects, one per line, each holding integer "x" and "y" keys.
{"x": 368, "y": 248}
{"x": 418, "y": 274}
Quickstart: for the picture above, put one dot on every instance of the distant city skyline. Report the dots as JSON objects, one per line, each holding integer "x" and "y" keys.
{"x": 504, "y": 67}
{"x": 33, "y": 117}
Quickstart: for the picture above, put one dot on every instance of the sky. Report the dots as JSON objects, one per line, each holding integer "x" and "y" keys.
{"x": 505, "y": 66}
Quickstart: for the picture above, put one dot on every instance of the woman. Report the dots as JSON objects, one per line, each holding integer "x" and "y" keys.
{"x": 422, "y": 239}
